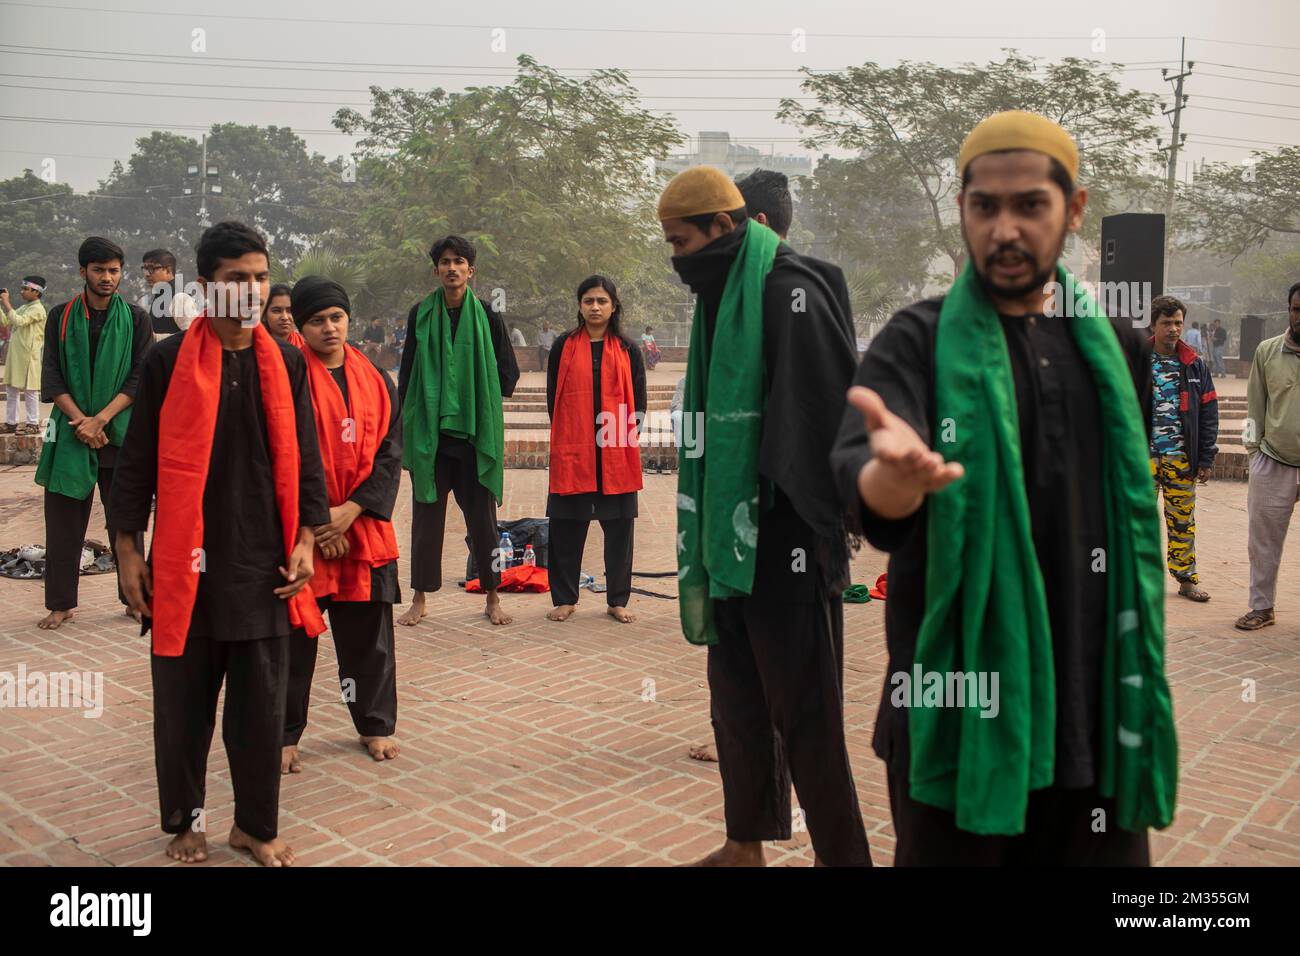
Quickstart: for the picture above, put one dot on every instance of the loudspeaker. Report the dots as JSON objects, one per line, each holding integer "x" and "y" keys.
{"x": 1132, "y": 263}
{"x": 1252, "y": 333}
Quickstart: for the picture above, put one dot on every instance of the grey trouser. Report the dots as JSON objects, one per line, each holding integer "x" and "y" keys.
{"x": 1270, "y": 501}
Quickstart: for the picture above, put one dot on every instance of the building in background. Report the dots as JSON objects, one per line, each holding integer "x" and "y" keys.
{"x": 716, "y": 148}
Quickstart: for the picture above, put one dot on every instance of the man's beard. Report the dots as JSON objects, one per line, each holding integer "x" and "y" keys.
{"x": 1041, "y": 277}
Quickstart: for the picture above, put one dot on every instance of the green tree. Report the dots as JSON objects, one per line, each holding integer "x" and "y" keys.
{"x": 550, "y": 177}
{"x": 39, "y": 235}
{"x": 919, "y": 113}
{"x": 268, "y": 180}
{"x": 869, "y": 216}
{"x": 1236, "y": 207}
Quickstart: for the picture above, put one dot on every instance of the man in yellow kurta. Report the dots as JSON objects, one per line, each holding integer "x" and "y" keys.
{"x": 23, "y": 365}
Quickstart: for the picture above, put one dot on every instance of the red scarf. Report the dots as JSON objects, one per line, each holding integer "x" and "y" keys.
{"x": 349, "y": 441}
{"x": 185, "y": 428}
{"x": 573, "y": 446}
{"x": 296, "y": 340}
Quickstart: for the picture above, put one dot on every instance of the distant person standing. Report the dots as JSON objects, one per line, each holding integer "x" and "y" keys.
{"x": 517, "y": 337}
{"x": 170, "y": 308}
{"x": 1192, "y": 338}
{"x": 1184, "y": 429}
{"x": 1218, "y": 345}
{"x": 1271, "y": 435}
{"x": 23, "y": 363}
{"x": 652, "y": 353}
{"x": 545, "y": 341}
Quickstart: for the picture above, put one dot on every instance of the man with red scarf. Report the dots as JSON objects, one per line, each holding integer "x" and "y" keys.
{"x": 359, "y": 429}
{"x": 592, "y": 393}
{"x": 223, "y": 432}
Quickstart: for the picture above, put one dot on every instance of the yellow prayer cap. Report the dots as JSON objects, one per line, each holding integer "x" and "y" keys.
{"x": 1016, "y": 129}
{"x": 698, "y": 190}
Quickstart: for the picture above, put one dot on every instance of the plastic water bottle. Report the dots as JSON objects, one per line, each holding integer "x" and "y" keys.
{"x": 507, "y": 550}
{"x": 530, "y": 557}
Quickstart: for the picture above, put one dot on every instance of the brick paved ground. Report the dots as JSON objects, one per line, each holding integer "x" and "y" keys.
{"x": 543, "y": 726}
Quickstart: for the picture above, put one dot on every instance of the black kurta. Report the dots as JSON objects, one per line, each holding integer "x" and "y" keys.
{"x": 242, "y": 539}
{"x": 53, "y": 382}
{"x": 507, "y": 366}
{"x": 1061, "y": 443}
{"x": 808, "y": 356}
{"x": 595, "y": 505}
{"x": 776, "y": 673}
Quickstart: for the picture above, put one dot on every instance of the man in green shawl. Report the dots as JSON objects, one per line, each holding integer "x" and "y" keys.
{"x": 996, "y": 447}
{"x": 93, "y": 348}
{"x": 761, "y": 545}
{"x": 457, "y": 366}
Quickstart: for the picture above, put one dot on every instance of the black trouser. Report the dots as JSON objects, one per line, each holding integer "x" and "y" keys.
{"x": 363, "y": 643}
{"x": 66, "y": 521}
{"x": 454, "y": 474}
{"x": 1062, "y": 828}
{"x": 185, "y": 691}
{"x": 775, "y": 679}
{"x": 568, "y": 538}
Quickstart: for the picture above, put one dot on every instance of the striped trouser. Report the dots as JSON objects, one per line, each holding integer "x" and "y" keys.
{"x": 1174, "y": 476}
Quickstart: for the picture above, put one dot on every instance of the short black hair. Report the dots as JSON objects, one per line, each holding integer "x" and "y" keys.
{"x": 768, "y": 192}
{"x": 227, "y": 240}
{"x": 280, "y": 288}
{"x": 704, "y": 220}
{"x": 162, "y": 257}
{"x": 99, "y": 249}
{"x": 1291, "y": 292}
{"x": 1166, "y": 305}
{"x": 457, "y": 244}
{"x": 1057, "y": 173}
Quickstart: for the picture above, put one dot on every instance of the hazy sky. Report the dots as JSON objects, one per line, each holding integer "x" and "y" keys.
{"x": 712, "y": 65}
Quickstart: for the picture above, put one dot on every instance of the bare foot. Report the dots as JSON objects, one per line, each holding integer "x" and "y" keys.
{"x": 52, "y": 620}
{"x": 381, "y": 748}
{"x": 133, "y": 615}
{"x": 267, "y": 852}
{"x": 289, "y": 762}
{"x": 622, "y": 615}
{"x": 703, "y": 752}
{"x": 733, "y": 853}
{"x": 414, "y": 612}
{"x": 493, "y": 610}
{"x": 561, "y": 612}
{"x": 189, "y": 847}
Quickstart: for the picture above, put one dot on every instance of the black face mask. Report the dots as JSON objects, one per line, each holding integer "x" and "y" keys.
{"x": 705, "y": 271}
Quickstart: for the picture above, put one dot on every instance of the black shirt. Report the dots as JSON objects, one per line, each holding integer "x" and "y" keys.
{"x": 1061, "y": 446}
{"x": 595, "y": 505}
{"x": 507, "y": 366}
{"x": 243, "y": 542}
{"x": 808, "y": 360}
{"x": 53, "y": 382}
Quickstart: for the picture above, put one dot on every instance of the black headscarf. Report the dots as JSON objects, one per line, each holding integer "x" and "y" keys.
{"x": 312, "y": 294}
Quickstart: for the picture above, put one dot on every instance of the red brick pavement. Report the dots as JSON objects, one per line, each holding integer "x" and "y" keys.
{"x": 537, "y": 744}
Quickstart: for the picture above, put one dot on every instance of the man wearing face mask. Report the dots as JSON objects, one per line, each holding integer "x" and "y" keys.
{"x": 761, "y": 544}
{"x": 997, "y": 448}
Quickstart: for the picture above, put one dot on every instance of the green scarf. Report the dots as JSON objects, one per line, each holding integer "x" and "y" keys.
{"x": 68, "y": 465}
{"x": 454, "y": 388}
{"x": 717, "y": 507}
{"x": 986, "y": 610}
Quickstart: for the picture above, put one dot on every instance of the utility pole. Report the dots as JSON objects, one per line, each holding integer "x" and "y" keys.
{"x": 1171, "y": 172}
{"x": 204, "y": 172}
